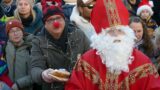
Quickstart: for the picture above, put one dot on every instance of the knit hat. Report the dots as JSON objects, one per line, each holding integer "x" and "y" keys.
{"x": 144, "y": 5}
{"x": 51, "y": 7}
{"x": 13, "y": 23}
{"x": 109, "y": 13}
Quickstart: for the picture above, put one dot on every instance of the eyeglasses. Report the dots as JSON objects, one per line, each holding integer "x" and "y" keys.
{"x": 54, "y": 19}
{"x": 90, "y": 6}
{"x": 15, "y": 32}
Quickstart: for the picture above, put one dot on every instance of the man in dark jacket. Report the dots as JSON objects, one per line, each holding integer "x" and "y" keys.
{"x": 56, "y": 48}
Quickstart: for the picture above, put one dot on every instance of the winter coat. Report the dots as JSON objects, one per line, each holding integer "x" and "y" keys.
{"x": 18, "y": 60}
{"x": 46, "y": 54}
{"x": 67, "y": 10}
{"x": 140, "y": 47}
{"x": 5, "y": 15}
{"x": 134, "y": 6}
{"x": 3, "y": 35}
{"x": 4, "y": 11}
{"x": 151, "y": 24}
{"x": 36, "y": 25}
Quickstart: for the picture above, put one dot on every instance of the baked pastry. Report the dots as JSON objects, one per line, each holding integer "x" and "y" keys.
{"x": 61, "y": 73}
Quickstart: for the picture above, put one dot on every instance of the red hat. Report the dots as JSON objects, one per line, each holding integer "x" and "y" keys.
{"x": 108, "y": 13}
{"x": 51, "y": 7}
{"x": 13, "y": 23}
{"x": 144, "y": 5}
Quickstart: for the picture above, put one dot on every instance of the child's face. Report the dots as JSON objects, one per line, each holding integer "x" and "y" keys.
{"x": 145, "y": 14}
{"x": 15, "y": 35}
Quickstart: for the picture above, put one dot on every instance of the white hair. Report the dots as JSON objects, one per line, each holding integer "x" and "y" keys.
{"x": 116, "y": 56}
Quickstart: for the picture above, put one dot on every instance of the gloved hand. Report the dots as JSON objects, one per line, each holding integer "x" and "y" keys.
{"x": 46, "y": 77}
{"x": 14, "y": 86}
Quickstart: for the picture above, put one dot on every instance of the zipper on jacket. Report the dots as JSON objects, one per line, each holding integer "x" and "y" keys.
{"x": 14, "y": 60}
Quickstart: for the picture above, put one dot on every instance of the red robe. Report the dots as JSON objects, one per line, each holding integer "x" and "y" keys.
{"x": 91, "y": 74}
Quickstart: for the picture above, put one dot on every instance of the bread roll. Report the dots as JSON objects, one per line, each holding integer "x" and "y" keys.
{"x": 61, "y": 74}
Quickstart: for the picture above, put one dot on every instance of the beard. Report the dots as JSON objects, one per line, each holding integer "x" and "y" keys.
{"x": 115, "y": 52}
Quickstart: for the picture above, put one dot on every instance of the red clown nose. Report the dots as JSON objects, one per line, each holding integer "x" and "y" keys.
{"x": 56, "y": 24}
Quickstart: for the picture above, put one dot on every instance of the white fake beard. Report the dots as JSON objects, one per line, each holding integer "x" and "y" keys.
{"x": 115, "y": 55}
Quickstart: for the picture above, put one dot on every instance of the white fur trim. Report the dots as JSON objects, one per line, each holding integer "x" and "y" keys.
{"x": 151, "y": 3}
{"x": 139, "y": 10}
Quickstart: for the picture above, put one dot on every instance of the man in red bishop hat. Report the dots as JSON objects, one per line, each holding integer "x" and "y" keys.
{"x": 113, "y": 63}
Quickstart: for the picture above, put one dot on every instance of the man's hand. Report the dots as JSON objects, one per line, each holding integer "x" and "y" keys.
{"x": 46, "y": 77}
{"x": 49, "y": 77}
{"x": 60, "y": 75}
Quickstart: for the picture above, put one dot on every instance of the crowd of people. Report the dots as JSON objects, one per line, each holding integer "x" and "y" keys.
{"x": 102, "y": 44}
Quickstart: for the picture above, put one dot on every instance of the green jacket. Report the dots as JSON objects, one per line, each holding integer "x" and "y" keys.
{"x": 18, "y": 60}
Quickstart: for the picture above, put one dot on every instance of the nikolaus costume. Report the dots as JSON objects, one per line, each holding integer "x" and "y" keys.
{"x": 90, "y": 72}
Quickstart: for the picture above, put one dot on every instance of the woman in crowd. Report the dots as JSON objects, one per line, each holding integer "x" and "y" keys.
{"x": 143, "y": 42}
{"x": 29, "y": 15}
{"x": 18, "y": 55}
